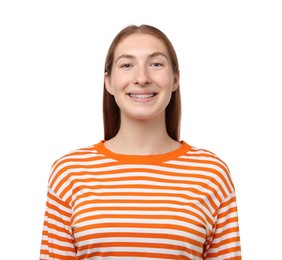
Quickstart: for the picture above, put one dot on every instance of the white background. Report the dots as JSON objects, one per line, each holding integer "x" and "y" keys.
{"x": 51, "y": 76}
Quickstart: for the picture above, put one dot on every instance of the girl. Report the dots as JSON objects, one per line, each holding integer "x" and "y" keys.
{"x": 141, "y": 193}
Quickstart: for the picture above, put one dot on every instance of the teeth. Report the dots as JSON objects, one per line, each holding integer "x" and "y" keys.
{"x": 141, "y": 96}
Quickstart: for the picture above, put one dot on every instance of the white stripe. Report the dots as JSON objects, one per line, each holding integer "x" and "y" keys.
{"x": 214, "y": 158}
{"x": 56, "y": 213}
{"x": 231, "y": 255}
{"x": 44, "y": 257}
{"x": 82, "y": 154}
{"x": 225, "y": 237}
{"x": 223, "y": 247}
{"x": 130, "y": 167}
{"x": 60, "y": 243}
{"x": 123, "y": 258}
{"x": 140, "y": 231}
{"x": 144, "y": 206}
{"x": 179, "y": 223}
{"x": 136, "y": 240}
{"x": 230, "y": 215}
{"x": 229, "y": 225}
{"x": 45, "y": 238}
{"x": 195, "y": 164}
{"x": 154, "y": 175}
{"x": 45, "y": 247}
{"x": 60, "y": 252}
{"x": 58, "y": 233}
{"x": 195, "y": 150}
{"x": 141, "y": 182}
{"x": 227, "y": 256}
{"x": 141, "y": 250}
{"x": 139, "y": 240}
{"x": 227, "y": 208}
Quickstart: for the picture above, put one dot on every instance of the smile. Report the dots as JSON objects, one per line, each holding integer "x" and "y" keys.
{"x": 142, "y": 96}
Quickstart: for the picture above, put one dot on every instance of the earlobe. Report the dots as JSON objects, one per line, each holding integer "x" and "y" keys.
{"x": 108, "y": 84}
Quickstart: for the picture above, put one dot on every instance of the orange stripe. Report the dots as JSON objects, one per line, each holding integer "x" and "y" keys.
{"x": 140, "y": 245}
{"x": 199, "y": 172}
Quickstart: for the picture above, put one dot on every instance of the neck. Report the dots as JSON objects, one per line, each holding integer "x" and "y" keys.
{"x": 142, "y": 137}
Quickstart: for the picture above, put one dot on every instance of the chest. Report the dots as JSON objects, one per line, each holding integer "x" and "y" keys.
{"x": 148, "y": 210}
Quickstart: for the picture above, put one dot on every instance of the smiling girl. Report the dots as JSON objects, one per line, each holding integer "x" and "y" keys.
{"x": 141, "y": 193}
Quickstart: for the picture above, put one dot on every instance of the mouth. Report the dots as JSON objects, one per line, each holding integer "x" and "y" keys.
{"x": 142, "y": 95}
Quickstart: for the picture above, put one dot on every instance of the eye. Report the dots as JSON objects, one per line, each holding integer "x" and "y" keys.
{"x": 126, "y": 65}
{"x": 156, "y": 64}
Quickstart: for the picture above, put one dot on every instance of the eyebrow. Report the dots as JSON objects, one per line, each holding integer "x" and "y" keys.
{"x": 154, "y": 54}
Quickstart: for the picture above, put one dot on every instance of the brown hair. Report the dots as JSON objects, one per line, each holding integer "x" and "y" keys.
{"x": 111, "y": 112}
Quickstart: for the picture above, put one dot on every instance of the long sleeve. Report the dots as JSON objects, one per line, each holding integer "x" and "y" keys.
{"x": 57, "y": 240}
{"x": 225, "y": 242}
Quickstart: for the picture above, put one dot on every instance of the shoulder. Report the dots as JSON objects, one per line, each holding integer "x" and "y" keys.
{"x": 205, "y": 156}
{"x": 209, "y": 166}
{"x": 73, "y": 162}
{"x": 77, "y": 155}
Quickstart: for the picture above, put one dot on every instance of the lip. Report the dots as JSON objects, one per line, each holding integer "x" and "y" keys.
{"x": 142, "y": 96}
{"x": 144, "y": 92}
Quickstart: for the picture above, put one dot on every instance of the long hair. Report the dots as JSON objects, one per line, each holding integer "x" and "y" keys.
{"x": 111, "y": 111}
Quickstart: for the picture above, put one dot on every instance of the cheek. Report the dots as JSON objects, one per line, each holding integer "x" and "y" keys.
{"x": 120, "y": 81}
{"x": 165, "y": 81}
{"x": 164, "y": 78}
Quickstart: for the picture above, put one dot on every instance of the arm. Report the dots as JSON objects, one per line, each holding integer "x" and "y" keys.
{"x": 57, "y": 240}
{"x": 225, "y": 242}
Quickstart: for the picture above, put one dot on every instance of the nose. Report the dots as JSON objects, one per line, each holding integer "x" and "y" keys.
{"x": 142, "y": 77}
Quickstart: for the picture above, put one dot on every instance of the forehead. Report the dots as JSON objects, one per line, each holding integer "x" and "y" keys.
{"x": 138, "y": 44}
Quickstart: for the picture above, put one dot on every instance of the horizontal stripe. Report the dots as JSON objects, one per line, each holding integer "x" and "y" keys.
{"x": 139, "y": 251}
{"x": 180, "y": 205}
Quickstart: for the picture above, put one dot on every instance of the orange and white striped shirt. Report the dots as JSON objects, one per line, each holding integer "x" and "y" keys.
{"x": 107, "y": 206}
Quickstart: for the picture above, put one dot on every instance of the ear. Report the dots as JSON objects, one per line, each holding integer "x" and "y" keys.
{"x": 175, "y": 81}
{"x": 107, "y": 82}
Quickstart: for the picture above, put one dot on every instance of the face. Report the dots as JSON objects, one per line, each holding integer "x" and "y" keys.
{"x": 142, "y": 79}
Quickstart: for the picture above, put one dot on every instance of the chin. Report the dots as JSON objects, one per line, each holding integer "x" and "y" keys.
{"x": 145, "y": 116}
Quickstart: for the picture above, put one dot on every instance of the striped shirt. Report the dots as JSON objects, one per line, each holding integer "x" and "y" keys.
{"x": 104, "y": 206}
